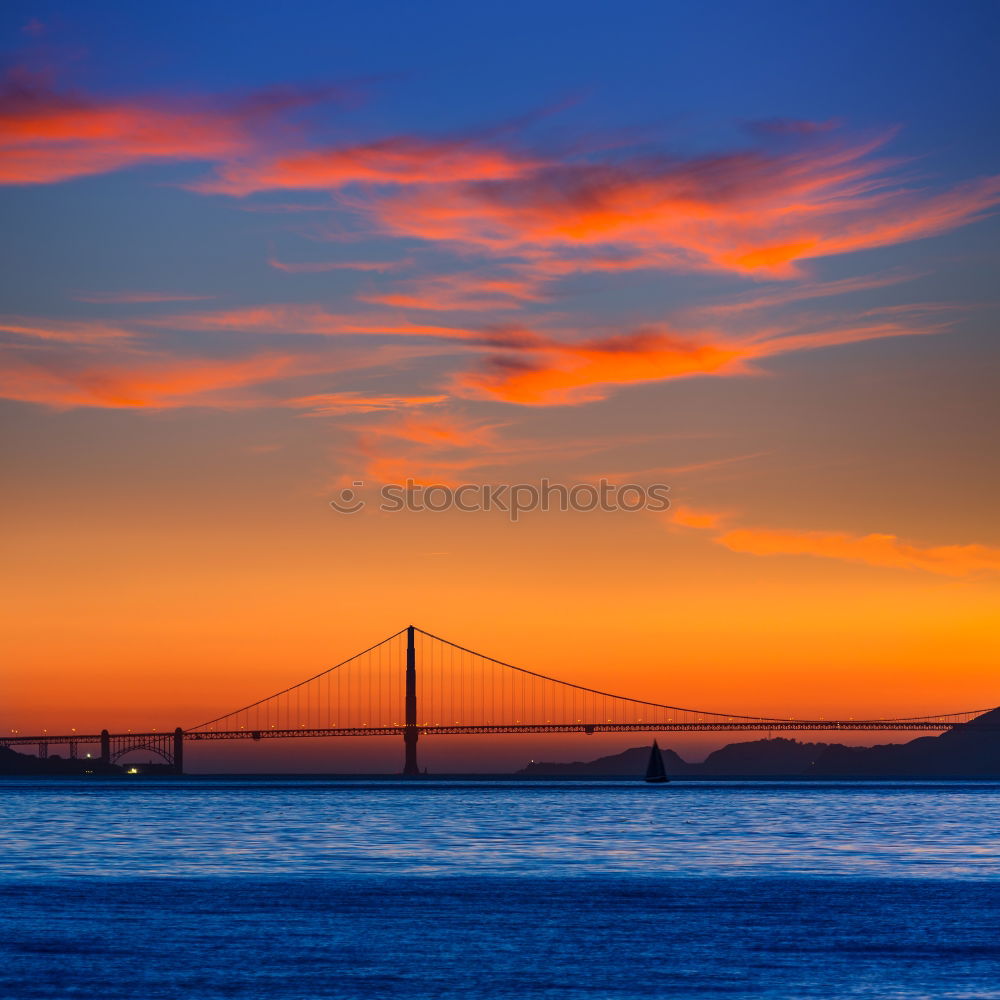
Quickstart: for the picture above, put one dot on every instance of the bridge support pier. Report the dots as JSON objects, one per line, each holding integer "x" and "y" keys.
{"x": 178, "y": 750}
{"x": 410, "y": 731}
{"x": 105, "y": 747}
{"x": 410, "y": 768}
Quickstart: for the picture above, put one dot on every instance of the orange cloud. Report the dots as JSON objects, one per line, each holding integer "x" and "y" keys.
{"x": 567, "y": 374}
{"x": 381, "y": 466}
{"x": 47, "y": 137}
{"x": 804, "y": 192}
{"x": 437, "y": 446}
{"x": 532, "y": 368}
{"x": 335, "y": 404}
{"x": 80, "y": 369}
{"x": 426, "y": 449}
{"x": 305, "y": 319}
{"x": 460, "y": 292}
{"x": 872, "y": 550}
{"x": 151, "y": 383}
{"x": 400, "y": 160}
{"x": 688, "y": 517}
{"x": 76, "y": 332}
{"x": 885, "y": 551}
{"x": 92, "y": 363}
{"x": 583, "y": 259}
{"x": 756, "y": 212}
{"x": 580, "y": 373}
{"x": 439, "y": 431}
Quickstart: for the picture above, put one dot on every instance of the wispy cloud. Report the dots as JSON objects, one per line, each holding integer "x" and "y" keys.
{"x": 65, "y": 331}
{"x": 48, "y": 135}
{"x": 509, "y": 363}
{"x": 532, "y": 367}
{"x": 795, "y": 194}
{"x": 872, "y": 550}
{"x": 321, "y": 266}
{"x": 460, "y": 292}
{"x": 519, "y": 221}
{"x": 761, "y": 211}
{"x": 547, "y": 372}
{"x": 879, "y": 550}
{"x": 426, "y": 448}
{"x": 86, "y": 365}
{"x": 804, "y": 292}
{"x": 400, "y": 160}
{"x": 310, "y": 320}
{"x": 153, "y": 382}
{"x": 689, "y": 517}
{"x": 336, "y": 404}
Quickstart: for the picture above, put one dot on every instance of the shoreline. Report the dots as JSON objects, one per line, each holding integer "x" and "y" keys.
{"x": 475, "y": 778}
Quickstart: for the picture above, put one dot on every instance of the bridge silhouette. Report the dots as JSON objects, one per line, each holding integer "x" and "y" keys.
{"x": 415, "y": 684}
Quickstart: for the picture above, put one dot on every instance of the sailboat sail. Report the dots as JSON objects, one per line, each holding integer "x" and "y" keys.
{"x": 656, "y": 773}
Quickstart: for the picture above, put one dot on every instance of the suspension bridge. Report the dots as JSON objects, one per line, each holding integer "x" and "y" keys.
{"x": 414, "y": 684}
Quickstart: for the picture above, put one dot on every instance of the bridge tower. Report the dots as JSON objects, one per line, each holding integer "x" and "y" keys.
{"x": 105, "y": 747}
{"x": 178, "y": 750}
{"x": 410, "y": 731}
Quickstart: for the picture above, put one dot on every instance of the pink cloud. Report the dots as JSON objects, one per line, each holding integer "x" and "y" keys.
{"x": 402, "y": 160}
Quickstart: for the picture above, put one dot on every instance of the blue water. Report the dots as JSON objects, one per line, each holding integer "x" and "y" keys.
{"x": 287, "y": 889}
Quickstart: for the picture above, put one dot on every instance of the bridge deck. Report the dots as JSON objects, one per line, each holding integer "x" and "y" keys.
{"x": 763, "y": 726}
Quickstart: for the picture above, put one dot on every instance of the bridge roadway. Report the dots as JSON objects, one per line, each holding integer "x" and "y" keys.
{"x": 762, "y": 726}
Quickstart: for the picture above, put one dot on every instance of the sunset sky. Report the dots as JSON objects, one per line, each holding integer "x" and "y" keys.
{"x": 253, "y": 254}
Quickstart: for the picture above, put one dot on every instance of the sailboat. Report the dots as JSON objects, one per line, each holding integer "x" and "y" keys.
{"x": 656, "y": 773}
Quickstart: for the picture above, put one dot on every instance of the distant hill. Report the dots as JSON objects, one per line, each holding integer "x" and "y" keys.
{"x": 778, "y": 756}
{"x": 756, "y": 758}
{"x": 972, "y": 750}
{"x": 12, "y": 762}
{"x": 628, "y": 762}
